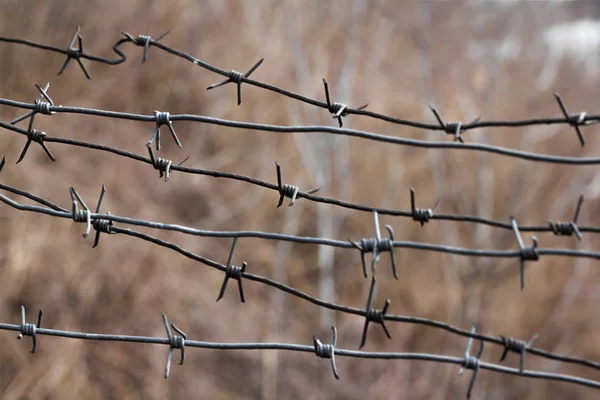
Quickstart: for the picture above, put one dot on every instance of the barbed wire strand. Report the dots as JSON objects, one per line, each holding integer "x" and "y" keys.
{"x": 317, "y": 129}
{"x": 556, "y": 227}
{"x": 181, "y": 342}
{"x": 338, "y": 109}
{"x": 509, "y": 344}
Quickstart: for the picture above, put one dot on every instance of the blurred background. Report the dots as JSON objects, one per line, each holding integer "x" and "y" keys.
{"x": 494, "y": 59}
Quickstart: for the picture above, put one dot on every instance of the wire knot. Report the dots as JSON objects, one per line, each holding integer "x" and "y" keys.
{"x": 233, "y": 272}
{"x": 568, "y": 228}
{"x": 563, "y": 228}
{"x": 422, "y": 215}
{"x": 516, "y": 346}
{"x": 102, "y": 225}
{"x": 36, "y": 136}
{"x": 370, "y": 244}
{"x": 374, "y": 315}
{"x": 162, "y": 118}
{"x": 327, "y": 350}
{"x": 29, "y": 329}
{"x": 577, "y": 119}
{"x": 286, "y": 190}
{"x": 162, "y": 165}
{"x": 471, "y": 362}
{"x": 453, "y": 127}
{"x": 175, "y": 342}
{"x": 43, "y": 107}
{"x": 338, "y": 110}
{"x": 74, "y": 53}
{"x": 574, "y": 120}
{"x": 529, "y": 253}
{"x": 235, "y": 76}
{"x": 142, "y": 40}
{"x": 376, "y": 245}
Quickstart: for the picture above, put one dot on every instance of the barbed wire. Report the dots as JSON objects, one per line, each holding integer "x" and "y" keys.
{"x": 339, "y": 110}
{"x": 179, "y": 341}
{"x": 237, "y": 273}
{"x": 421, "y": 215}
{"x": 167, "y": 118}
{"x": 104, "y": 223}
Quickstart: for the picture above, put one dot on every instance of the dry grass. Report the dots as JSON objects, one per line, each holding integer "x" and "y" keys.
{"x": 371, "y": 55}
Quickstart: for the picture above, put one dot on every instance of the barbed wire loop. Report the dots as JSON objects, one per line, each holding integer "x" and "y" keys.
{"x": 327, "y": 350}
{"x": 30, "y": 329}
{"x": 338, "y": 110}
{"x": 373, "y": 315}
{"x": 527, "y": 253}
{"x": 471, "y": 362}
{"x": 162, "y": 118}
{"x": 286, "y": 190}
{"x": 516, "y": 346}
{"x": 575, "y": 120}
{"x": 145, "y": 41}
{"x": 454, "y": 128}
{"x": 175, "y": 342}
{"x": 162, "y": 165}
{"x": 237, "y": 78}
{"x": 568, "y": 228}
{"x": 40, "y": 106}
{"x": 233, "y": 272}
{"x": 375, "y": 246}
{"x": 421, "y": 215}
{"x": 101, "y": 225}
{"x": 74, "y": 53}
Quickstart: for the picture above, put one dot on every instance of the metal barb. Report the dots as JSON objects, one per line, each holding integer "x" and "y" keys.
{"x": 517, "y": 346}
{"x": 175, "y": 342}
{"x": 233, "y": 272}
{"x": 29, "y": 329}
{"x": 162, "y": 118}
{"x": 2, "y": 163}
{"x": 75, "y": 53}
{"x": 80, "y": 215}
{"x": 327, "y": 350}
{"x": 338, "y": 110}
{"x": 101, "y": 225}
{"x": 573, "y": 119}
{"x": 40, "y": 105}
{"x": 237, "y": 78}
{"x": 146, "y": 41}
{"x": 421, "y": 215}
{"x": 375, "y": 246}
{"x": 527, "y": 253}
{"x": 162, "y": 165}
{"x": 568, "y": 228}
{"x": 372, "y": 315}
{"x": 471, "y": 362}
{"x": 286, "y": 190}
{"x": 454, "y": 128}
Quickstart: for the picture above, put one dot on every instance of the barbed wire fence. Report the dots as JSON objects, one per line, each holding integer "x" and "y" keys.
{"x": 79, "y": 212}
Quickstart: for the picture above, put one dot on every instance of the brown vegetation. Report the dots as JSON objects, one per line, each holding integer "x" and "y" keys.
{"x": 370, "y": 52}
